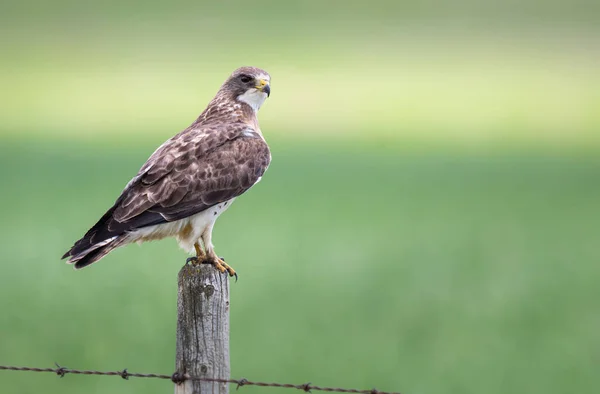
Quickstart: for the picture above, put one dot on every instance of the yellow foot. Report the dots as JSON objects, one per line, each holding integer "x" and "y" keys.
{"x": 198, "y": 258}
{"x": 200, "y": 255}
{"x": 230, "y": 270}
{"x": 221, "y": 265}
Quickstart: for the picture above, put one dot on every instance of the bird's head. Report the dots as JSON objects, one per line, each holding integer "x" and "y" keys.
{"x": 249, "y": 85}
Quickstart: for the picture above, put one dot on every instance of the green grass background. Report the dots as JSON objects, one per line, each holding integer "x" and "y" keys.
{"x": 429, "y": 224}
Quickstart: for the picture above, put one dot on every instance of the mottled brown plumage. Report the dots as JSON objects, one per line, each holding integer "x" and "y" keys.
{"x": 190, "y": 179}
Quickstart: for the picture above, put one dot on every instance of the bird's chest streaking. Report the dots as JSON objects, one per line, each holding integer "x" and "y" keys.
{"x": 187, "y": 230}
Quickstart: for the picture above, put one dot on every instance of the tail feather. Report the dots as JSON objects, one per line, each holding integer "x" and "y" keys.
{"x": 107, "y": 234}
{"x": 108, "y": 230}
{"x": 96, "y": 252}
{"x": 95, "y": 236}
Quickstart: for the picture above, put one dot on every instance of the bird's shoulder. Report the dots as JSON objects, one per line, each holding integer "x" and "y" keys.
{"x": 197, "y": 143}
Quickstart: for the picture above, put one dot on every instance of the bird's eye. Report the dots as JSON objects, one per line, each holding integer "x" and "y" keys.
{"x": 245, "y": 78}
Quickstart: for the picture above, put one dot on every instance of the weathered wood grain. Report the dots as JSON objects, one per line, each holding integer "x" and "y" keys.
{"x": 202, "y": 328}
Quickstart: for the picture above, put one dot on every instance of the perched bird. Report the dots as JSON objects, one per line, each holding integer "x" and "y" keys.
{"x": 190, "y": 179}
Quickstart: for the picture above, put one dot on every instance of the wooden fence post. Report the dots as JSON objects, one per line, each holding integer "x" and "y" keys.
{"x": 202, "y": 329}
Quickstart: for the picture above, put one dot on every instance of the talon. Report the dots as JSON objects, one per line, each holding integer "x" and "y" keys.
{"x": 220, "y": 267}
{"x": 193, "y": 260}
{"x": 230, "y": 270}
{"x": 216, "y": 262}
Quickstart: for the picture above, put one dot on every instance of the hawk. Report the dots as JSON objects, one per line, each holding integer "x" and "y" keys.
{"x": 190, "y": 179}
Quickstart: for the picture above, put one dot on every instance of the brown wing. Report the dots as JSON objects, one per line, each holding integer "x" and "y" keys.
{"x": 202, "y": 174}
{"x": 191, "y": 172}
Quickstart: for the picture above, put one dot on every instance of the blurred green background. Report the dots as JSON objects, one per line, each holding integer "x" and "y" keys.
{"x": 429, "y": 223}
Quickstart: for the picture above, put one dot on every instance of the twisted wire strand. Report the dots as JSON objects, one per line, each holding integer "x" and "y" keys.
{"x": 179, "y": 378}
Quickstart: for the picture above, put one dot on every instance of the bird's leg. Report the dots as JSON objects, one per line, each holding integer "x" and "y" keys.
{"x": 211, "y": 257}
{"x": 199, "y": 257}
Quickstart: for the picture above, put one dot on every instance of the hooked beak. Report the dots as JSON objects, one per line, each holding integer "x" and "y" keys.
{"x": 263, "y": 86}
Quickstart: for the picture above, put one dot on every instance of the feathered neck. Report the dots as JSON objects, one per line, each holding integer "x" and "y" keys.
{"x": 223, "y": 109}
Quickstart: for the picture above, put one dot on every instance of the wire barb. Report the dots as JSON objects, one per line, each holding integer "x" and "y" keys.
{"x": 241, "y": 383}
{"x": 179, "y": 378}
{"x": 60, "y": 371}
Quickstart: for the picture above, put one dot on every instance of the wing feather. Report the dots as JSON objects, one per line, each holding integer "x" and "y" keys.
{"x": 191, "y": 172}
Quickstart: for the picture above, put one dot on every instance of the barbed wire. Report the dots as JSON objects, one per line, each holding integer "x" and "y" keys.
{"x": 179, "y": 378}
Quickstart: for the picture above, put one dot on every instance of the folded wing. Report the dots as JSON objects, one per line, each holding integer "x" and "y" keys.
{"x": 191, "y": 172}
